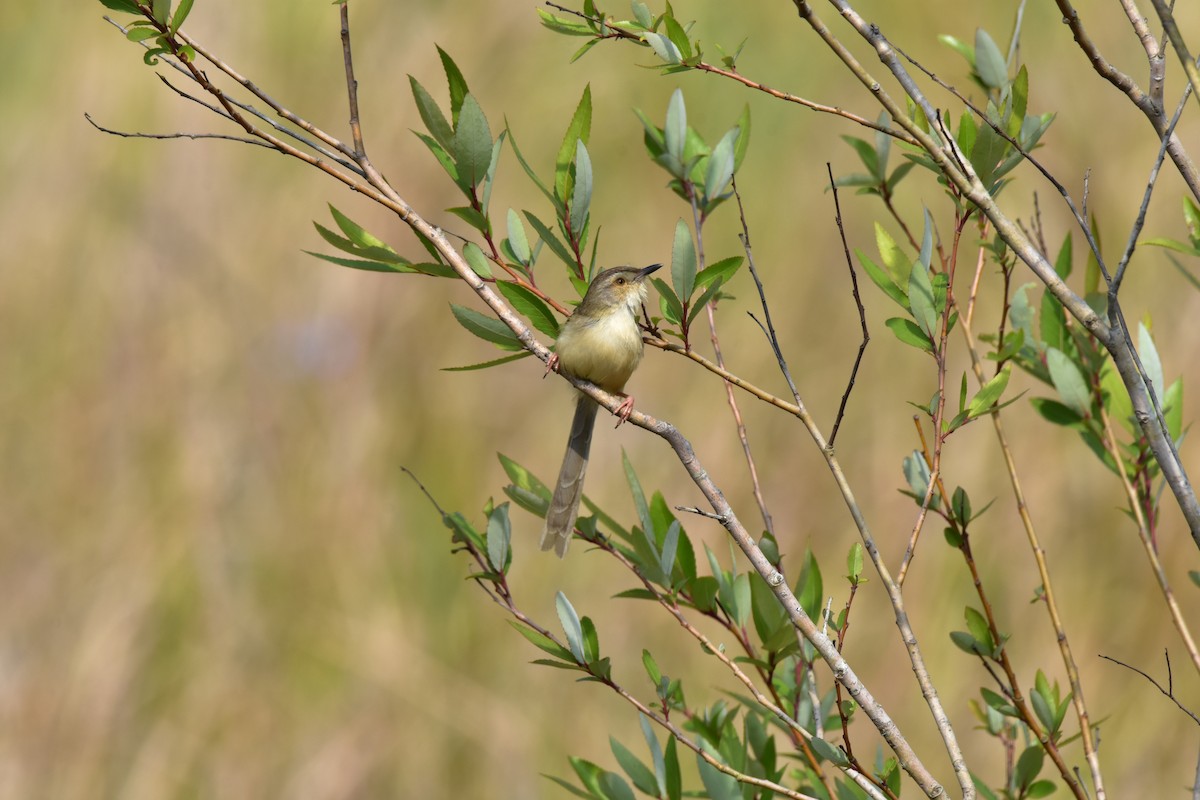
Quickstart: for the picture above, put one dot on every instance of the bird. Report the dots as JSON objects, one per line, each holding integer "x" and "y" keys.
{"x": 602, "y": 343}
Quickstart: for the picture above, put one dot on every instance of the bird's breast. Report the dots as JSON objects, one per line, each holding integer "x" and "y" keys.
{"x": 604, "y": 350}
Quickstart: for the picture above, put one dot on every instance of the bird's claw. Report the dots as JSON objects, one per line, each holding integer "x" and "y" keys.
{"x": 551, "y": 364}
{"x": 624, "y": 410}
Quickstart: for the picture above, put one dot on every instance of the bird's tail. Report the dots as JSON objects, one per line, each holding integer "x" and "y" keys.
{"x": 564, "y": 505}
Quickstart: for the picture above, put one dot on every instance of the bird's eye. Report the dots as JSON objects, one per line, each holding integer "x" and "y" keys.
{"x": 620, "y": 281}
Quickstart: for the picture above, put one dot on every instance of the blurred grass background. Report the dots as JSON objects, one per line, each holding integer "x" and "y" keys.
{"x": 217, "y": 581}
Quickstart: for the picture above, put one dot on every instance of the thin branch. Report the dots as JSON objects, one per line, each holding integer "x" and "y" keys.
{"x": 360, "y": 150}
{"x": 730, "y": 397}
{"x": 1167, "y": 691}
{"x": 1143, "y": 530}
{"x": 1039, "y": 556}
{"x": 734, "y": 75}
{"x": 137, "y": 135}
{"x": 1136, "y": 230}
{"x": 1149, "y": 104}
{"x": 1115, "y": 341}
{"x": 862, "y": 314}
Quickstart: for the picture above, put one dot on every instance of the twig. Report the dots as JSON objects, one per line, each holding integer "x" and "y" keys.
{"x": 730, "y": 397}
{"x": 862, "y": 314}
{"x": 1039, "y": 555}
{"x": 734, "y": 75}
{"x": 1149, "y": 104}
{"x": 1143, "y": 530}
{"x": 137, "y": 135}
{"x": 1168, "y": 691}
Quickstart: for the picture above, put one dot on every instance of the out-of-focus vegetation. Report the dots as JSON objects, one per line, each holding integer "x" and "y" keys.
{"x": 217, "y": 581}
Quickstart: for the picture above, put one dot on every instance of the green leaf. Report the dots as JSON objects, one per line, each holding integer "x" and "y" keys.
{"x": 541, "y": 641}
{"x": 499, "y": 538}
{"x": 721, "y": 164}
{"x": 477, "y": 260}
{"x": 893, "y": 257}
{"x": 868, "y": 156}
{"x": 1020, "y": 101}
{"x": 551, "y": 239}
{"x": 978, "y": 626}
{"x": 668, "y": 302}
{"x": 523, "y": 478}
{"x": 675, "y": 132}
{"x": 1053, "y": 323}
{"x": 656, "y": 758}
{"x": 642, "y": 14}
{"x": 920, "y": 298}
{"x": 674, "y": 779}
{"x": 990, "y": 64}
{"x": 829, "y": 752}
{"x": 635, "y": 490}
{"x": 1039, "y": 789}
{"x": 990, "y": 393}
{"x": 488, "y": 364}
{"x": 637, "y": 771}
{"x": 564, "y": 26}
{"x": 968, "y": 643}
{"x": 854, "y": 562}
{"x": 181, "y": 13}
{"x": 962, "y": 48}
{"x": 883, "y": 280}
{"x": 487, "y": 328}
{"x": 431, "y": 115}
{"x": 1173, "y": 409}
{"x": 717, "y": 784}
{"x": 1069, "y": 382}
{"x": 525, "y": 301}
{"x": 571, "y": 626}
{"x": 916, "y": 473}
{"x": 457, "y": 84}
{"x": 683, "y": 262}
{"x": 161, "y": 9}
{"x": 703, "y": 300}
{"x": 743, "y": 140}
{"x": 651, "y": 667}
{"x": 1029, "y": 764}
{"x": 517, "y": 241}
{"x": 581, "y": 198}
{"x": 124, "y": 6}
{"x": 1150, "y": 361}
{"x": 614, "y": 787}
{"x": 810, "y": 589}
{"x": 355, "y": 232}
{"x": 472, "y": 142}
{"x": 678, "y": 36}
{"x": 579, "y": 130}
{"x": 1091, "y": 278}
{"x": 907, "y": 331}
{"x": 369, "y": 266}
{"x": 722, "y": 270}
{"x": 663, "y": 47}
{"x": 1062, "y": 262}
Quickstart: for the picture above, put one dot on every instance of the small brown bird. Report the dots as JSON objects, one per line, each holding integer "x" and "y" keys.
{"x": 601, "y": 343}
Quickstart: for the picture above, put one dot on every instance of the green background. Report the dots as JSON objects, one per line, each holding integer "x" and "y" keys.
{"x": 218, "y": 583}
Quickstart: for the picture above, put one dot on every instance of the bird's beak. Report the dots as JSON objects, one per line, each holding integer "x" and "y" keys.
{"x": 647, "y": 270}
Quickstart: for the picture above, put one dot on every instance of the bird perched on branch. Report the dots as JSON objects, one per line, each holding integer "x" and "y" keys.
{"x": 601, "y": 343}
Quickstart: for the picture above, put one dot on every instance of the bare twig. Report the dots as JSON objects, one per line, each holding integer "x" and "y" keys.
{"x": 862, "y": 314}
{"x": 734, "y": 75}
{"x": 730, "y": 397}
{"x": 137, "y": 135}
{"x": 1168, "y": 691}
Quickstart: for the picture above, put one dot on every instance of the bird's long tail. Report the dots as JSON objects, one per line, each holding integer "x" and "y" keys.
{"x": 564, "y": 505}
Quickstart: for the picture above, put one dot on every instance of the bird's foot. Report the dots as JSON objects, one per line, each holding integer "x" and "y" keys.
{"x": 624, "y": 410}
{"x": 551, "y": 364}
